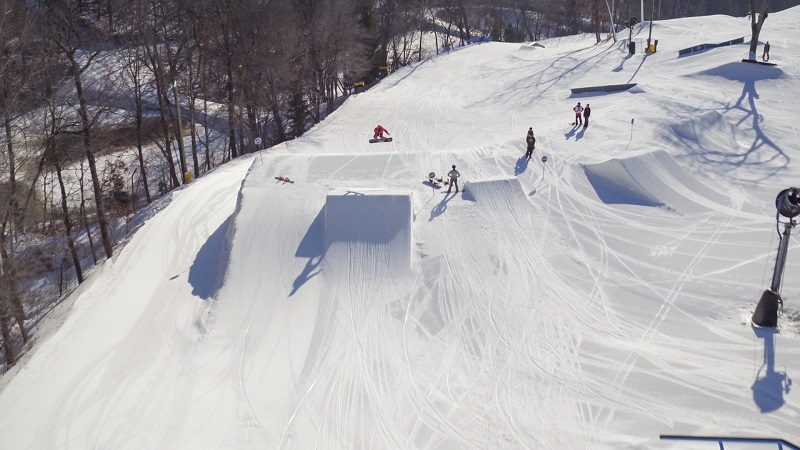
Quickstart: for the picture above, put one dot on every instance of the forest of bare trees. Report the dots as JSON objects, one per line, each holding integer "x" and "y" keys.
{"x": 109, "y": 104}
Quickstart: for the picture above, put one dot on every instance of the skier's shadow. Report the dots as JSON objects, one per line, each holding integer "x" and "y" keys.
{"x": 522, "y": 164}
{"x": 581, "y": 131}
{"x": 439, "y": 209}
{"x": 571, "y": 132}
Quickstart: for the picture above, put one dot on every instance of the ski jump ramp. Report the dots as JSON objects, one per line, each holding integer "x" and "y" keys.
{"x": 366, "y": 223}
{"x": 651, "y": 179}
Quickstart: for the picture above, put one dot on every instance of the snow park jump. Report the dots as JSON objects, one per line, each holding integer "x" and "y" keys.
{"x": 369, "y": 223}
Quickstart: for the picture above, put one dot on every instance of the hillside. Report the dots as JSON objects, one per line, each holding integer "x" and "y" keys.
{"x": 596, "y": 300}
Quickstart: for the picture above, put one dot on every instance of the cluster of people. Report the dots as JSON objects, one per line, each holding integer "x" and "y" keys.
{"x": 584, "y": 112}
{"x": 581, "y": 118}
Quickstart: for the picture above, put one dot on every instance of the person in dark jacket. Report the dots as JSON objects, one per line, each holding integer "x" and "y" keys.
{"x": 765, "y": 55}
{"x": 531, "y": 140}
{"x": 453, "y": 174}
{"x": 586, "y": 113}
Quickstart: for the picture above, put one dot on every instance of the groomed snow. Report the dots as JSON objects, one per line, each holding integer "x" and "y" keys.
{"x": 596, "y": 300}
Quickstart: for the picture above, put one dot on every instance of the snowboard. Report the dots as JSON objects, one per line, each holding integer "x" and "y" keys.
{"x": 284, "y": 179}
{"x": 372, "y": 141}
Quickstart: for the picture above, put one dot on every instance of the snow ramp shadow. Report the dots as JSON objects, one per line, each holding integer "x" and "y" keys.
{"x": 369, "y": 224}
{"x": 651, "y": 179}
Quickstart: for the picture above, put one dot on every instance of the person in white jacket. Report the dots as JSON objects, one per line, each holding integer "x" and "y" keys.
{"x": 453, "y": 174}
{"x": 578, "y": 109}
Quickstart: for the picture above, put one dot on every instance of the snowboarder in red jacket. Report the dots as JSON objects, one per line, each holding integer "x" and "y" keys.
{"x": 379, "y": 130}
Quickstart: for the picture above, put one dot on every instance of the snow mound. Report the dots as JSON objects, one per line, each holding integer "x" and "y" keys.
{"x": 497, "y": 192}
{"x": 651, "y": 179}
{"x": 372, "y": 224}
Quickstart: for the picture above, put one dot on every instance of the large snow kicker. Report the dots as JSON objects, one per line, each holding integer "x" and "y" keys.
{"x": 374, "y": 224}
{"x": 651, "y": 179}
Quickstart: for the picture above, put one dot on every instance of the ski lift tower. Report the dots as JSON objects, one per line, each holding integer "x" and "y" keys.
{"x": 788, "y": 206}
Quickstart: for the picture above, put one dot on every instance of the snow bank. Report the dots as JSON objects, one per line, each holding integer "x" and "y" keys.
{"x": 370, "y": 223}
{"x": 651, "y": 179}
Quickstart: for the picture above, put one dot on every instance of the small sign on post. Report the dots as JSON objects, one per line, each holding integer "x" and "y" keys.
{"x": 544, "y": 163}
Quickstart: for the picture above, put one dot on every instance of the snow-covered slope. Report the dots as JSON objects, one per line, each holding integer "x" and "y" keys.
{"x": 595, "y": 300}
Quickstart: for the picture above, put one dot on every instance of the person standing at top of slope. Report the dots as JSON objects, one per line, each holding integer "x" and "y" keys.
{"x": 531, "y": 140}
{"x": 765, "y": 55}
{"x": 578, "y": 109}
{"x": 453, "y": 174}
{"x": 586, "y": 113}
{"x": 379, "y": 130}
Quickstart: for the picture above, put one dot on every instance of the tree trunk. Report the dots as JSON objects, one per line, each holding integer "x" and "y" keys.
{"x": 192, "y": 130}
{"x": 13, "y": 307}
{"x": 160, "y": 93}
{"x": 139, "y": 140}
{"x": 5, "y": 329}
{"x": 612, "y": 27}
{"x": 90, "y": 158}
{"x": 755, "y": 25}
{"x": 68, "y": 226}
{"x": 207, "y": 135}
{"x": 13, "y": 205}
{"x": 231, "y": 113}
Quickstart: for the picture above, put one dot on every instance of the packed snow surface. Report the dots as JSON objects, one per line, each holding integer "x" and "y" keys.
{"x": 596, "y": 300}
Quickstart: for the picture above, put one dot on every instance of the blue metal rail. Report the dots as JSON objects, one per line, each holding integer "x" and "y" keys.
{"x": 782, "y": 444}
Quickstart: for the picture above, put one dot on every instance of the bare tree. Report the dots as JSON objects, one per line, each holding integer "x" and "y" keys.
{"x": 17, "y": 23}
{"x": 133, "y": 57}
{"x": 70, "y": 34}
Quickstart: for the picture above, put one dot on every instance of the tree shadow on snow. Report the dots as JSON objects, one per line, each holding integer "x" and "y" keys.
{"x": 762, "y": 151}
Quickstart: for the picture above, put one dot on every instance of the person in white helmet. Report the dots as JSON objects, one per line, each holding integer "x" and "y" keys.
{"x": 578, "y": 109}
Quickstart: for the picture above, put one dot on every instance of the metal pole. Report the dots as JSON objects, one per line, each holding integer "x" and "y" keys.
{"x": 650, "y": 36}
{"x": 780, "y": 260}
{"x": 179, "y": 133}
{"x": 642, "y": 16}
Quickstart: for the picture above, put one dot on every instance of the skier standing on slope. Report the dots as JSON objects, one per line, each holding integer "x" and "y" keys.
{"x": 586, "y": 113}
{"x": 453, "y": 174}
{"x": 379, "y": 130}
{"x": 531, "y": 140}
{"x": 578, "y": 109}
